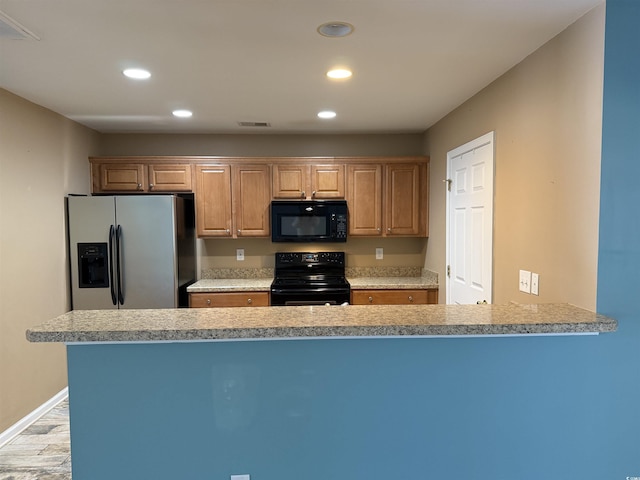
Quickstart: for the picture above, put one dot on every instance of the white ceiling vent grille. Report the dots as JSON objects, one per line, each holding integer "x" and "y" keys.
{"x": 13, "y": 30}
{"x": 254, "y": 124}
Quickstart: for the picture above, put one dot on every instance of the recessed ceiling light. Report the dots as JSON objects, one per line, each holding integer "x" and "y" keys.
{"x": 182, "y": 113}
{"x": 339, "y": 73}
{"x": 327, "y": 114}
{"x": 335, "y": 29}
{"x": 137, "y": 73}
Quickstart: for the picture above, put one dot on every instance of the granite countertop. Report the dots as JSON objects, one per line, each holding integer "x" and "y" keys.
{"x": 379, "y": 283}
{"x": 359, "y": 278}
{"x": 231, "y": 285}
{"x": 312, "y": 322}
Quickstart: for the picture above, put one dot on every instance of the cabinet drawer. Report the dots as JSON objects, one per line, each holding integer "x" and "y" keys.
{"x": 234, "y": 299}
{"x": 394, "y": 297}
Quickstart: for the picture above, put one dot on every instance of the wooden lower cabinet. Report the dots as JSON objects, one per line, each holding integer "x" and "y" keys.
{"x": 395, "y": 297}
{"x": 232, "y": 299}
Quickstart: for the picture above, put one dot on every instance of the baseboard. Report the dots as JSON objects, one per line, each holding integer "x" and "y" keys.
{"x": 21, "y": 425}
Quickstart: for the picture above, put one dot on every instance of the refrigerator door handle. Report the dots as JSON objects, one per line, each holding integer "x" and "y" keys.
{"x": 112, "y": 279}
{"x": 119, "y": 264}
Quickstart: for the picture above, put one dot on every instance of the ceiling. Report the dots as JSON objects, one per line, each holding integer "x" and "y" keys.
{"x": 233, "y": 61}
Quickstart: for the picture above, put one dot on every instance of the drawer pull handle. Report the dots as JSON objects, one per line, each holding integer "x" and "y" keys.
{"x": 208, "y": 301}
{"x": 249, "y": 301}
{"x": 370, "y": 299}
{"x": 410, "y": 298}
{"x": 151, "y": 185}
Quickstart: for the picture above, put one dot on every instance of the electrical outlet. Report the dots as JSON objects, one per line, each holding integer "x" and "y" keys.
{"x": 240, "y": 254}
{"x": 379, "y": 253}
{"x": 525, "y": 281}
{"x": 535, "y": 280}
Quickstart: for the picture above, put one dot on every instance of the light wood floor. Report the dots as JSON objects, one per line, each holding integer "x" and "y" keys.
{"x": 42, "y": 451}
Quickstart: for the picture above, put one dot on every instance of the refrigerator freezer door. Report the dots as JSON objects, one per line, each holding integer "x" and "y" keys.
{"x": 90, "y": 219}
{"x": 148, "y": 257}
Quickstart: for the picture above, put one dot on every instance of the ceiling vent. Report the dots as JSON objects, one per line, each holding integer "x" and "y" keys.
{"x": 254, "y": 124}
{"x": 13, "y": 30}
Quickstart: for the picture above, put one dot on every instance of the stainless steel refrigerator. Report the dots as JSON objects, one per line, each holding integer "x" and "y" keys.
{"x": 134, "y": 251}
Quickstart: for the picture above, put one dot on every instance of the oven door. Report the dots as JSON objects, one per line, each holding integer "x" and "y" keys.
{"x": 309, "y": 296}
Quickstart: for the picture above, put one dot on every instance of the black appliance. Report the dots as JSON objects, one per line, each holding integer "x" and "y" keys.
{"x": 310, "y": 279}
{"x": 309, "y": 221}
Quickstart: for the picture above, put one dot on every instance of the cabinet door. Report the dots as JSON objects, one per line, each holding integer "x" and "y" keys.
{"x": 402, "y": 199}
{"x": 327, "y": 181}
{"x": 120, "y": 178}
{"x": 213, "y": 200}
{"x": 364, "y": 198}
{"x": 291, "y": 181}
{"x": 251, "y": 199}
{"x": 394, "y": 297}
{"x": 170, "y": 178}
{"x": 232, "y": 299}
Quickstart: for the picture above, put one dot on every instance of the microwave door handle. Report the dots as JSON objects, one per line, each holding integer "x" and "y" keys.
{"x": 112, "y": 283}
{"x": 119, "y": 265}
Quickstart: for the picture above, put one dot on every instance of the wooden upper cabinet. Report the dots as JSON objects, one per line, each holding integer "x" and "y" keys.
{"x": 251, "y": 194}
{"x": 402, "y": 193}
{"x": 364, "y": 199}
{"x": 213, "y": 201}
{"x": 327, "y": 181}
{"x": 233, "y": 201}
{"x": 124, "y": 176}
{"x": 170, "y": 178}
{"x": 308, "y": 181}
{"x": 290, "y": 181}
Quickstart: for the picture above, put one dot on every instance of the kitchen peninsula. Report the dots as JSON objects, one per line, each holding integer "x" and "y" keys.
{"x": 208, "y": 393}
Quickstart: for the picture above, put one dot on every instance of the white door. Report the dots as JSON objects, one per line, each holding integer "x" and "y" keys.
{"x": 470, "y": 221}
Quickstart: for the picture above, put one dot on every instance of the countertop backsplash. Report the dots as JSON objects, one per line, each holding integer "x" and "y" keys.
{"x": 351, "y": 272}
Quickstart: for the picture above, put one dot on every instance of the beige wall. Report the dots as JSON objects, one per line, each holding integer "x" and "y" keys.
{"x": 360, "y": 252}
{"x": 42, "y": 158}
{"x": 261, "y": 145}
{"x": 546, "y": 113}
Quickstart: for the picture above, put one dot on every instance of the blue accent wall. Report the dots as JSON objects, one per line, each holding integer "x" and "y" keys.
{"x": 552, "y": 408}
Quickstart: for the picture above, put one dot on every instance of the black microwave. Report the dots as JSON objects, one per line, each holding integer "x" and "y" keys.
{"x": 309, "y": 221}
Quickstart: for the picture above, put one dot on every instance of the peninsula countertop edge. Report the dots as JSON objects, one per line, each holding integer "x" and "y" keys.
{"x": 263, "y": 323}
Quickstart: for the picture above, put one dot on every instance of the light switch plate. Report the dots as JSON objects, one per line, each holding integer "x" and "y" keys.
{"x": 240, "y": 477}
{"x": 535, "y": 280}
{"x": 379, "y": 253}
{"x": 240, "y": 258}
{"x": 525, "y": 281}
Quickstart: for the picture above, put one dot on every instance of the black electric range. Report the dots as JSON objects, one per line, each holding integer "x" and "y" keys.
{"x": 305, "y": 278}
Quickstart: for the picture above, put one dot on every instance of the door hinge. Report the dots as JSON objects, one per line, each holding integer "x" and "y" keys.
{"x": 448, "y": 181}
{"x": 448, "y": 270}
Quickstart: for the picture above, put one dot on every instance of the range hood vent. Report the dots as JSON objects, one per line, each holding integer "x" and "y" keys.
{"x": 13, "y": 30}
{"x": 254, "y": 124}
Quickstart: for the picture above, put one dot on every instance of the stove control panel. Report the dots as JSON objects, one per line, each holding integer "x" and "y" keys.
{"x": 310, "y": 258}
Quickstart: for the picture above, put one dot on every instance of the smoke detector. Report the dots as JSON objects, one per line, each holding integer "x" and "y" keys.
{"x": 335, "y": 29}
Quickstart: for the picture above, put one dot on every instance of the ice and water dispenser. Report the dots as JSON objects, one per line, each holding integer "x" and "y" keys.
{"x": 93, "y": 265}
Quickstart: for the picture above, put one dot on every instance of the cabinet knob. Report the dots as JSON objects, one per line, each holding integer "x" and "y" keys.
{"x": 410, "y": 298}
{"x": 313, "y": 194}
{"x": 379, "y": 229}
{"x": 151, "y": 185}
{"x": 249, "y": 301}
{"x": 303, "y": 194}
{"x": 208, "y": 301}
{"x": 389, "y": 229}
{"x": 239, "y": 231}
{"x": 139, "y": 186}
{"x": 370, "y": 299}
{"x": 228, "y": 231}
